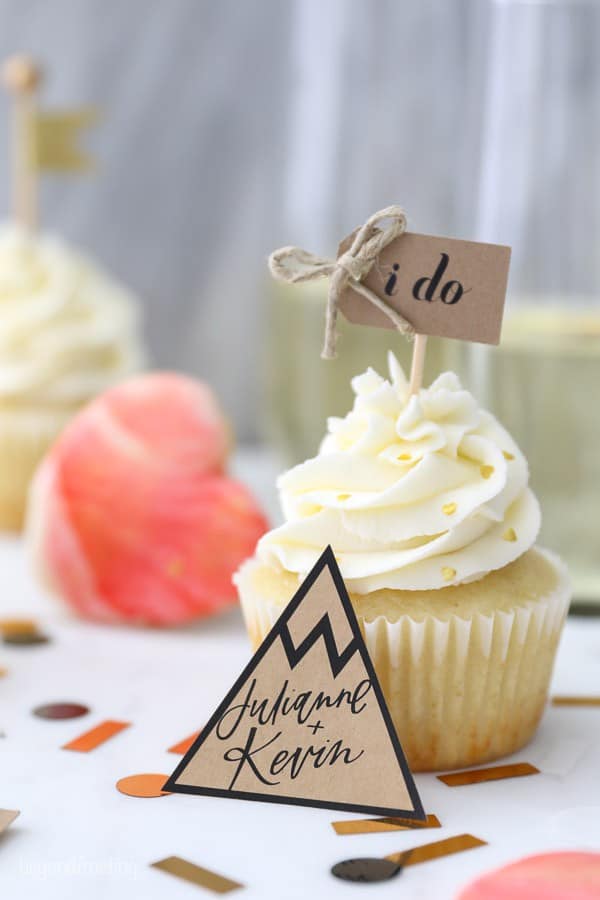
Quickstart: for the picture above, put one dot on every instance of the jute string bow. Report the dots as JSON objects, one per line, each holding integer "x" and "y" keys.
{"x": 293, "y": 265}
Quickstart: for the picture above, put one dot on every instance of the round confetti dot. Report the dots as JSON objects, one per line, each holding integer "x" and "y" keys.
{"x": 366, "y": 869}
{"x": 61, "y": 711}
{"x": 25, "y": 639}
{"x": 146, "y": 785}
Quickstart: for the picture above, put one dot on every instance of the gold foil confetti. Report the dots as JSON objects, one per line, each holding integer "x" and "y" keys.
{"x": 435, "y": 850}
{"x": 17, "y": 626}
{"x": 560, "y": 700}
{"x": 449, "y": 508}
{"x": 507, "y": 455}
{"x": 448, "y": 573}
{"x": 509, "y": 535}
{"x": 369, "y": 826}
{"x": 486, "y": 471}
{"x": 188, "y": 871}
{"x": 494, "y": 773}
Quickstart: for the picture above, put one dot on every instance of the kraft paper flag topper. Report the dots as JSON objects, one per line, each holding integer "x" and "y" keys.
{"x": 420, "y": 284}
{"x": 306, "y": 722}
{"x": 42, "y": 140}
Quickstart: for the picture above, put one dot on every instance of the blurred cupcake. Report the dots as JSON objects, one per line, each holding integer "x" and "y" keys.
{"x": 425, "y": 501}
{"x": 67, "y": 331}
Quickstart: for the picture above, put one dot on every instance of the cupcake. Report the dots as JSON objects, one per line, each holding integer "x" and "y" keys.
{"x": 67, "y": 331}
{"x": 425, "y": 501}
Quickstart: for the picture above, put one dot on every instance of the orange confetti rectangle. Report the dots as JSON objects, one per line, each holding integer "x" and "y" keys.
{"x": 575, "y": 701}
{"x": 437, "y": 849}
{"x": 183, "y": 746}
{"x": 96, "y": 736}
{"x": 369, "y": 826}
{"x": 494, "y": 773}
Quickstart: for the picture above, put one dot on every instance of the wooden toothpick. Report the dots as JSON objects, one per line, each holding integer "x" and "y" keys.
{"x": 418, "y": 363}
{"x": 21, "y": 76}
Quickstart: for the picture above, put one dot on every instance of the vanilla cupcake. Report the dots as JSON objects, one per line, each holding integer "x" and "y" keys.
{"x": 425, "y": 501}
{"x": 67, "y": 331}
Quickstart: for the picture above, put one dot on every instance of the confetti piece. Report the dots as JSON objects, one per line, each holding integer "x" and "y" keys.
{"x": 183, "y": 746}
{"x": 61, "y": 711}
{"x": 7, "y": 817}
{"x": 575, "y": 701}
{"x": 19, "y": 639}
{"x": 145, "y": 785}
{"x": 366, "y": 869}
{"x": 17, "y": 626}
{"x": 495, "y": 773}
{"x": 96, "y": 736}
{"x": 435, "y": 850}
{"x": 188, "y": 871}
{"x": 369, "y": 826}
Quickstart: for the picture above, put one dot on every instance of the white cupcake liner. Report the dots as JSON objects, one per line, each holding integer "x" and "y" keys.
{"x": 460, "y": 691}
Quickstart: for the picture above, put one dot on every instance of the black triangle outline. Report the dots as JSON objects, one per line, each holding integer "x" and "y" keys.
{"x": 327, "y": 559}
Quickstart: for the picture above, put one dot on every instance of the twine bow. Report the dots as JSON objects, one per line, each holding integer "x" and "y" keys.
{"x": 294, "y": 265}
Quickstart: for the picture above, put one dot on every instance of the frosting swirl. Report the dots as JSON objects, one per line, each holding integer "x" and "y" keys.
{"x": 67, "y": 331}
{"x": 412, "y": 492}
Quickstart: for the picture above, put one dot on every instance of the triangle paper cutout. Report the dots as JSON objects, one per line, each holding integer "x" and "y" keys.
{"x": 306, "y": 722}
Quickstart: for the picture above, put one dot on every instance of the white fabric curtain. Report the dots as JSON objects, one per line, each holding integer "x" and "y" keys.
{"x": 233, "y": 127}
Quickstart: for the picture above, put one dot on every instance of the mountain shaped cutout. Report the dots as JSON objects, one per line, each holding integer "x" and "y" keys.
{"x": 306, "y": 722}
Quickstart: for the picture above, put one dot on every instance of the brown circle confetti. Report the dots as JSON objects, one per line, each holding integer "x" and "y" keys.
{"x": 25, "y": 639}
{"x": 366, "y": 869}
{"x": 144, "y": 785}
{"x": 61, "y": 710}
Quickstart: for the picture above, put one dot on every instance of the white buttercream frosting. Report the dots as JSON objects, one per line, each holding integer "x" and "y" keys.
{"x": 412, "y": 492}
{"x": 67, "y": 331}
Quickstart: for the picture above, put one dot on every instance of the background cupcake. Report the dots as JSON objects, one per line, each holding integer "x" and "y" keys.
{"x": 67, "y": 331}
{"x": 425, "y": 501}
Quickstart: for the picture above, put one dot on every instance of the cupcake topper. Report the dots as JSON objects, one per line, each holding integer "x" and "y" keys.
{"x": 306, "y": 722}
{"x": 416, "y": 283}
{"x": 41, "y": 141}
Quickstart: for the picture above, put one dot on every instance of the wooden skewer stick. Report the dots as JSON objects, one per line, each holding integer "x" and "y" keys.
{"x": 22, "y": 77}
{"x": 418, "y": 362}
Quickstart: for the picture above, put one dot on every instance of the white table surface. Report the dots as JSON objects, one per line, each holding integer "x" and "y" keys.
{"x": 77, "y": 836}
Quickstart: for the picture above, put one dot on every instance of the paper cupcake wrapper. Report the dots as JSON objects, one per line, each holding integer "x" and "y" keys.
{"x": 460, "y": 691}
{"x": 24, "y": 439}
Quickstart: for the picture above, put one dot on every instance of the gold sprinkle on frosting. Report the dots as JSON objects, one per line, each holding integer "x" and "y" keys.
{"x": 404, "y": 457}
{"x": 343, "y": 496}
{"x": 509, "y": 535}
{"x": 448, "y": 573}
{"x": 449, "y": 508}
{"x": 507, "y": 455}
{"x": 486, "y": 471}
